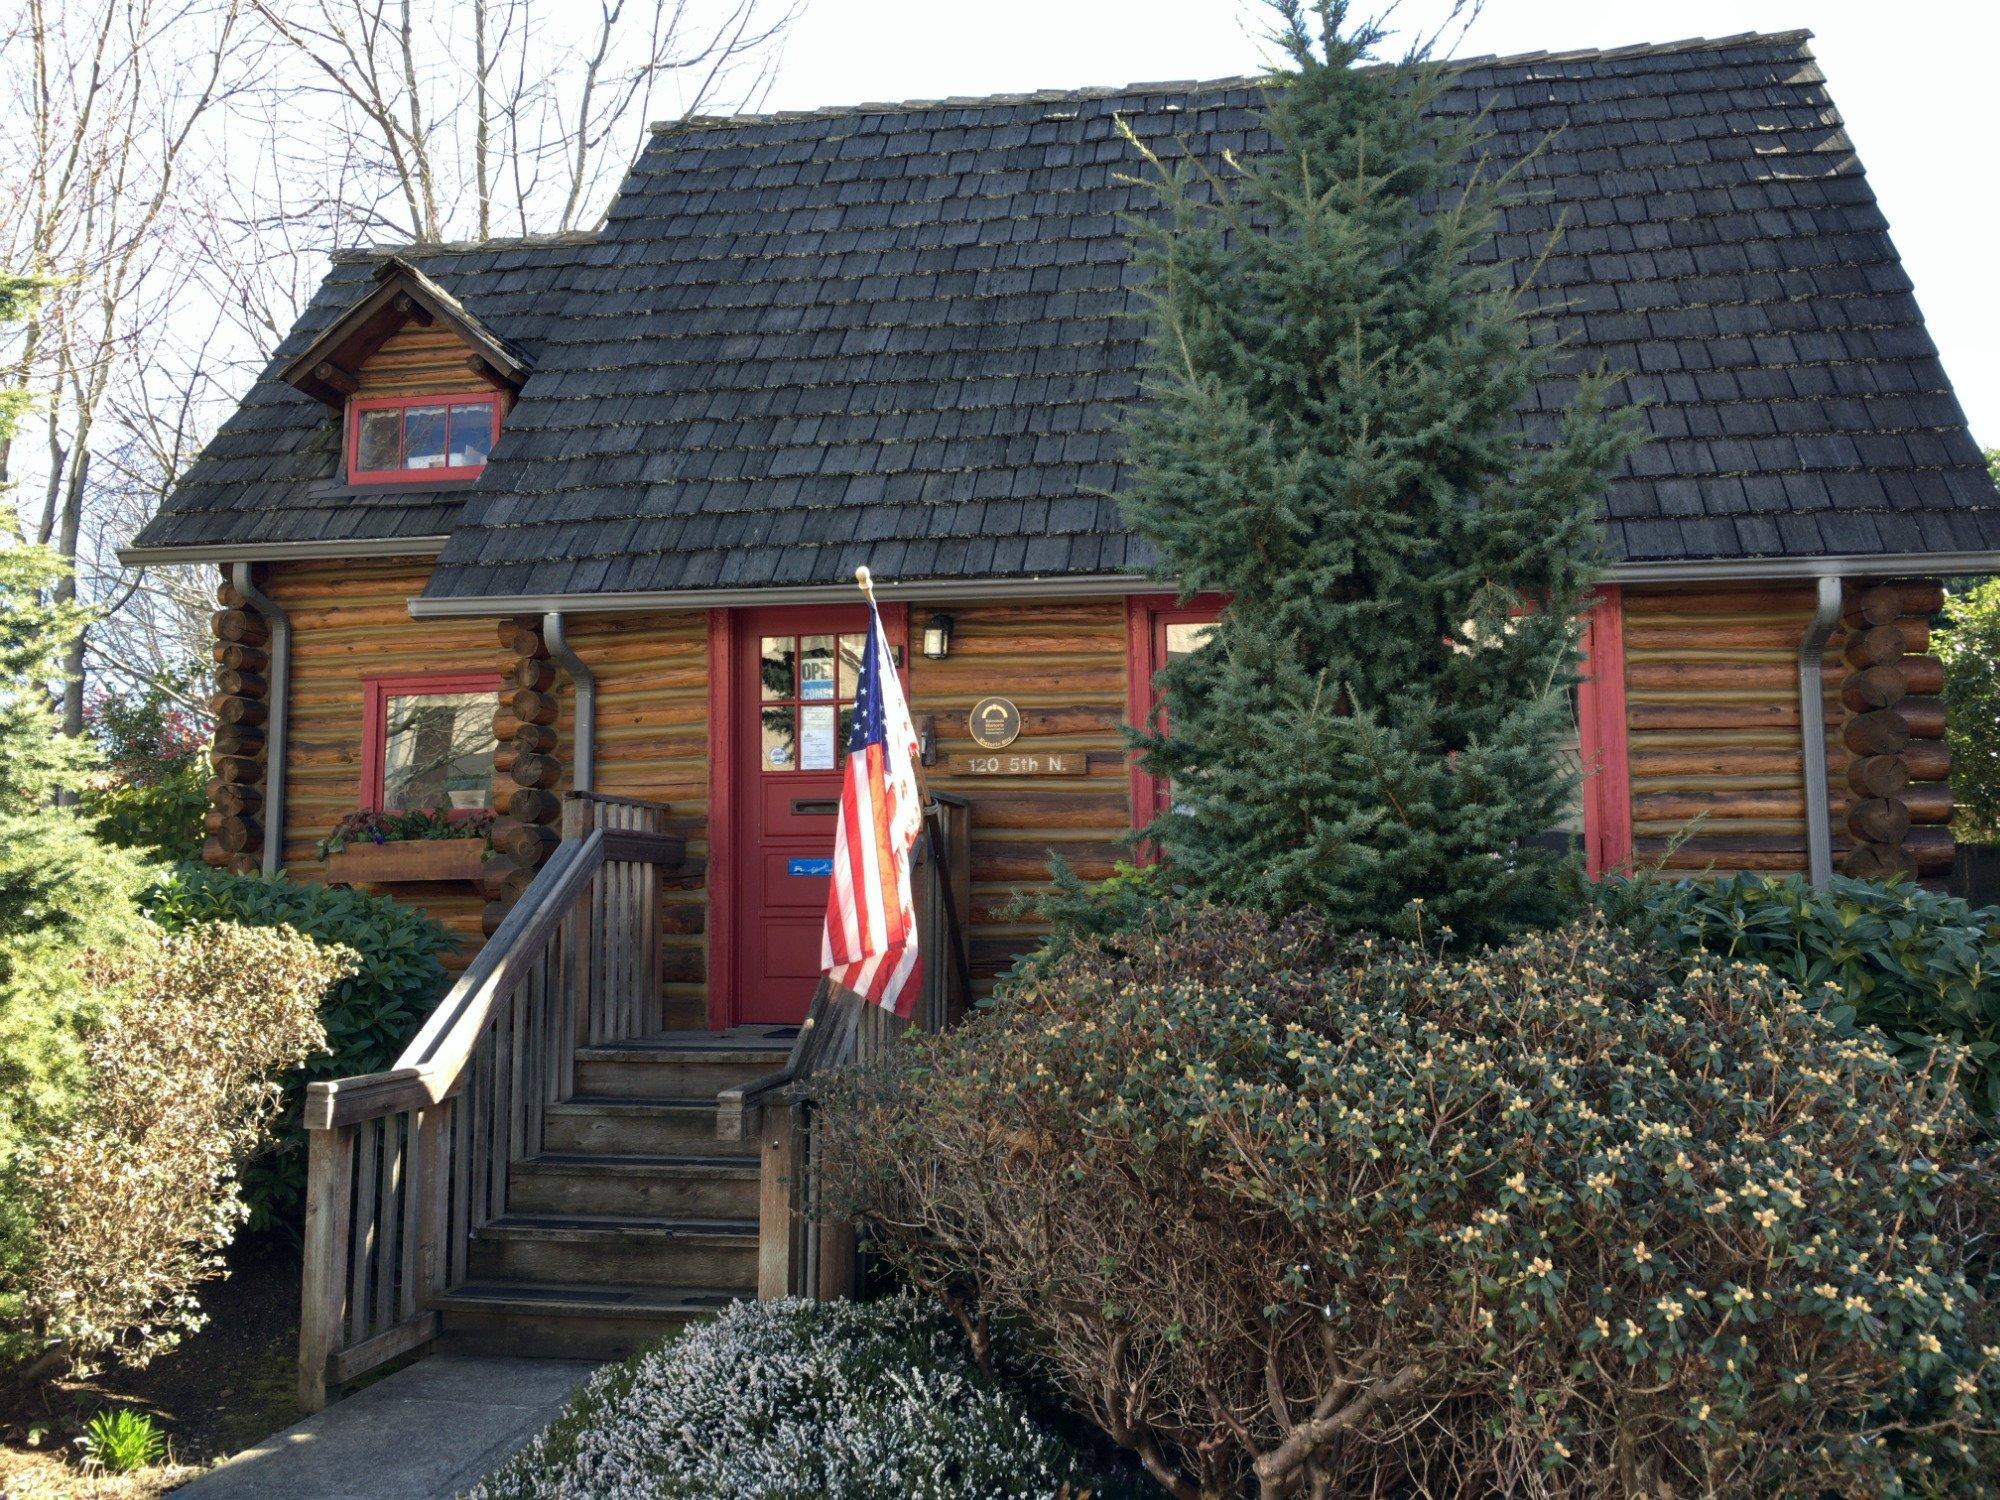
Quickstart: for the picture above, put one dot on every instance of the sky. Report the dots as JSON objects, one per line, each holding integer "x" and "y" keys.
{"x": 1913, "y": 81}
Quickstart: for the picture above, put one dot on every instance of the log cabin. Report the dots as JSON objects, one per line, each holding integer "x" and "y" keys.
{"x": 565, "y": 528}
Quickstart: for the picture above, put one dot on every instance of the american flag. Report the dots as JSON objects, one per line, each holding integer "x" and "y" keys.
{"x": 869, "y": 944}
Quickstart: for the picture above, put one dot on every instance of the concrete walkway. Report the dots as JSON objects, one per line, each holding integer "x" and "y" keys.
{"x": 425, "y": 1433}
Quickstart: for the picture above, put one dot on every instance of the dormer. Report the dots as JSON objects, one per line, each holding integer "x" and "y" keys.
{"x": 419, "y": 383}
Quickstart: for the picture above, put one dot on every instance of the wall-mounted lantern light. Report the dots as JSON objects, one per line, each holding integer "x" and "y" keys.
{"x": 937, "y": 637}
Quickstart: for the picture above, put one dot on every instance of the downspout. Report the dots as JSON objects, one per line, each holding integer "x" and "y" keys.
{"x": 278, "y": 722}
{"x": 1812, "y": 733}
{"x": 584, "y": 775}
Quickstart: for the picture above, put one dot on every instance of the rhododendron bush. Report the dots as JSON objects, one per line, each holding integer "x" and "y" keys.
{"x": 1550, "y": 1219}
{"x": 133, "y": 1197}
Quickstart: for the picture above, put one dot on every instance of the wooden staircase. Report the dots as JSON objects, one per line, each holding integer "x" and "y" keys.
{"x": 633, "y": 1217}
{"x": 547, "y": 1169}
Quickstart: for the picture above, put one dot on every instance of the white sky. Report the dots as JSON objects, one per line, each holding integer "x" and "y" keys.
{"x": 1914, "y": 81}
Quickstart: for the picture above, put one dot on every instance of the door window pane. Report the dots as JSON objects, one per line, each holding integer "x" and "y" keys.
{"x": 850, "y": 664}
{"x": 776, "y": 667}
{"x": 1184, "y": 638}
{"x": 816, "y": 746}
{"x": 778, "y": 742}
{"x": 439, "y": 752}
{"x": 816, "y": 668}
{"x": 378, "y": 444}
{"x": 423, "y": 437}
{"x": 471, "y": 433}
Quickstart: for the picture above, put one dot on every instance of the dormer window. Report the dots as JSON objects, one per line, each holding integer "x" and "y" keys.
{"x": 418, "y": 439}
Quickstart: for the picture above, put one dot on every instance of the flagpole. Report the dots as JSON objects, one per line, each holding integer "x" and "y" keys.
{"x": 866, "y": 580}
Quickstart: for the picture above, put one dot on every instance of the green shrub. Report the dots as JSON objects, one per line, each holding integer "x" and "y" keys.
{"x": 369, "y": 1017}
{"x": 775, "y": 1400}
{"x": 134, "y": 1198}
{"x": 1549, "y": 1219}
{"x": 1918, "y": 967}
{"x": 121, "y": 1440}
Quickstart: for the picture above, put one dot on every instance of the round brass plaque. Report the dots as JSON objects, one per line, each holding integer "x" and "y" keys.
{"x": 995, "y": 723}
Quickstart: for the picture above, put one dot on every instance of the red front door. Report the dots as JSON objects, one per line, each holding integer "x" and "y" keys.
{"x": 795, "y": 679}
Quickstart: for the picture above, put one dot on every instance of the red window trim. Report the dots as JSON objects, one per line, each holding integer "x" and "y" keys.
{"x": 358, "y": 404}
{"x": 1601, "y": 734}
{"x": 1146, "y": 619}
{"x": 375, "y": 695}
{"x": 726, "y": 629}
{"x": 1607, "y": 787}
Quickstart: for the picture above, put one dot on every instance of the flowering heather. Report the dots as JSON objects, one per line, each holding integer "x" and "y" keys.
{"x": 790, "y": 1400}
{"x": 1560, "y": 1218}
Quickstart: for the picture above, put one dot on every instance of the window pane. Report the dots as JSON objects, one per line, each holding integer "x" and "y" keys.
{"x": 776, "y": 667}
{"x": 846, "y": 727}
{"x": 1570, "y": 759}
{"x": 816, "y": 751}
{"x": 1187, "y": 638}
{"x": 376, "y": 446}
{"x": 850, "y": 665}
{"x": 423, "y": 437}
{"x": 816, "y": 667}
{"x": 439, "y": 752}
{"x": 471, "y": 433}
{"x": 777, "y": 739}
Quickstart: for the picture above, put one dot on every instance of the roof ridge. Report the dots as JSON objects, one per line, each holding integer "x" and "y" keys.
{"x": 363, "y": 254}
{"x": 1095, "y": 92}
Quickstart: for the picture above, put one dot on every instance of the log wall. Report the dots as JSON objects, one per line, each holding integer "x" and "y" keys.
{"x": 416, "y": 361}
{"x": 652, "y": 742}
{"x": 234, "y": 825}
{"x": 350, "y": 621}
{"x": 1063, "y": 665}
{"x": 1712, "y": 717}
{"x": 1897, "y": 808}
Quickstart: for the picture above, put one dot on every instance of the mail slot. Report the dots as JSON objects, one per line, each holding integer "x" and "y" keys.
{"x": 806, "y": 807}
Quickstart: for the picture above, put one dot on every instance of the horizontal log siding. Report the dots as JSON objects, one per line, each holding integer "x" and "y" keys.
{"x": 652, "y": 742}
{"x": 1712, "y": 714}
{"x": 1063, "y": 665}
{"x": 350, "y": 620}
{"x": 417, "y": 361}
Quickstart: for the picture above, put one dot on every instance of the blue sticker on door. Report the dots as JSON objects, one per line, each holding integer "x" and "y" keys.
{"x": 808, "y": 867}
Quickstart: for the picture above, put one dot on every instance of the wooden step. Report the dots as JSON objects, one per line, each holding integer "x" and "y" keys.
{"x": 551, "y": 1321}
{"x": 644, "y": 1127}
{"x": 669, "y": 1187}
{"x": 678, "y": 1065}
{"x": 594, "y": 1250}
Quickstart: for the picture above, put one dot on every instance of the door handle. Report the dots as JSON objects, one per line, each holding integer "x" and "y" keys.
{"x": 808, "y": 806}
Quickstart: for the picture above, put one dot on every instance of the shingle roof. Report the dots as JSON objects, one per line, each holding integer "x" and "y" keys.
{"x": 271, "y": 474}
{"x": 898, "y": 334}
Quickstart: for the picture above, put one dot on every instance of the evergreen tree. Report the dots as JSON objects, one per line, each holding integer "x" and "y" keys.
{"x": 1330, "y": 440}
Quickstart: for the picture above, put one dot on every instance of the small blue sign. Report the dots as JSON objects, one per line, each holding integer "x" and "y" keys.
{"x": 809, "y": 867}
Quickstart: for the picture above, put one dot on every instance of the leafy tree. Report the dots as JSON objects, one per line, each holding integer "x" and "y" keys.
{"x": 1969, "y": 645}
{"x": 152, "y": 791}
{"x": 1330, "y": 440}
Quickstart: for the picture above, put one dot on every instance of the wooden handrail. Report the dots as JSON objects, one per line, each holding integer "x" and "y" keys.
{"x": 406, "y": 1164}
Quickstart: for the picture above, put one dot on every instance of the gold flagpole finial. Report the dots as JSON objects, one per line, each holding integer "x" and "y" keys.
{"x": 867, "y": 581}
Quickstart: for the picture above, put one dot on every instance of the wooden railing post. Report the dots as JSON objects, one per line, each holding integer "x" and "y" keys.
{"x": 776, "y": 1193}
{"x": 323, "y": 1294}
{"x": 434, "y": 1221}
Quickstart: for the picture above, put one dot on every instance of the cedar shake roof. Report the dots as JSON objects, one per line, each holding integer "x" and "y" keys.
{"x": 899, "y": 335}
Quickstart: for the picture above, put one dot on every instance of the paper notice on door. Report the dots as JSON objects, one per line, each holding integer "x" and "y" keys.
{"x": 816, "y": 730}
